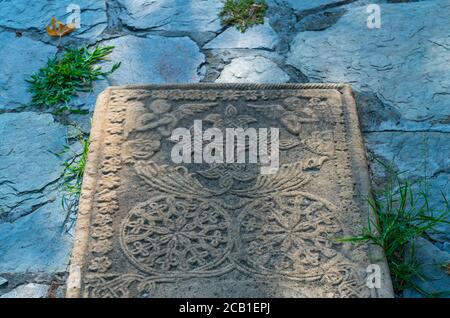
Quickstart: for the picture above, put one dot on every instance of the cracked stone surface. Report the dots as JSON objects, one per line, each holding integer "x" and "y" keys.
{"x": 24, "y": 15}
{"x": 3, "y": 282}
{"x": 37, "y": 242}
{"x": 172, "y": 15}
{"x": 31, "y": 217}
{"x": 400, "y": 73}
{"x": 15, "y": 68}
{"x": 434, "y": 264}
{"x": 155, "y": 59}
{"x": 412, "y": 57}
{"x": 252, "y": 69}
{"x": 29, "y": 147}
{"x": 320, "y": 21}
{"x": 257, "y": 37}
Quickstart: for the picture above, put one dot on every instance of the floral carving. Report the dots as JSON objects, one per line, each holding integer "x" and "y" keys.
{"x": 101, "y": 246}
{"x": 100, "y": 264}
{"x": 103, "y": 232}
{"x": 288, "y": 234}
{"x": 144, "y": 148}
{"x": 115, "y": 286}
{"x": 158, "y": 118}
{"x": 178, "y": 236}
{"x": 227, "y": 174}
{"x": 230, "y": 119}
{"x": 103, "y": 219}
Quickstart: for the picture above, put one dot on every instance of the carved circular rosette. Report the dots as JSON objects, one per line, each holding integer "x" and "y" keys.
{"x": 288, "y": 235}
{"x": 177, "y": 236}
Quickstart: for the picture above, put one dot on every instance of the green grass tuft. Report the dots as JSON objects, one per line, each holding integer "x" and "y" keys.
{"x": 63, "y": 77}
{"x": 74, "y": 169}
{"x": 243, "y": 13}
{"x": 403, "y": 215}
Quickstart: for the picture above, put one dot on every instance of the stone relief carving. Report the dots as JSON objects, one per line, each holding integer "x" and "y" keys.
{"x": 212, "y": 221}
{"x": 177, "y": 236}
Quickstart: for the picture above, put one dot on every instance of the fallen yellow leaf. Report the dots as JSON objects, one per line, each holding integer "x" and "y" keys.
{"x": 59, "y": 29}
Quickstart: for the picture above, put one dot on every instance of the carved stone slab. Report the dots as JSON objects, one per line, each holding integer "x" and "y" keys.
{"x": 150, "y": 228}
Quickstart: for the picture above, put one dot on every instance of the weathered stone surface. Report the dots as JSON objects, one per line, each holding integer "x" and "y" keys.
{"x": 446, "y": 247}
{"x": 257, "y": 37}
{"x": 31, "y": 216}
{"x": 405, "y": 63}
{"x": 28, "y": 291}
{"x": 86, "y": 100}
{"x": 433, "y": 265}
{"x": 20, "y": 14}
{"x": 252, "y": 69}
{"x": 29, "y": 161}
{"x": 301, "y": 5}
{"x": 154, "y": 60}
{"x": 421, "y": 157}
{"x": 320, "y": 21}
{"x": 20, "y": 57}
{"x": 173, "y": 15}
{"x": 161, "y": 229}
{"x": 37, "y": 242}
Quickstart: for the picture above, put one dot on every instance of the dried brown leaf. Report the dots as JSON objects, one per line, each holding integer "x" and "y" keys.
{"x": 59, "y": 29}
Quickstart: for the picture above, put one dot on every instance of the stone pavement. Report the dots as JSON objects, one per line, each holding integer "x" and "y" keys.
{"x": 400, "y": 74}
